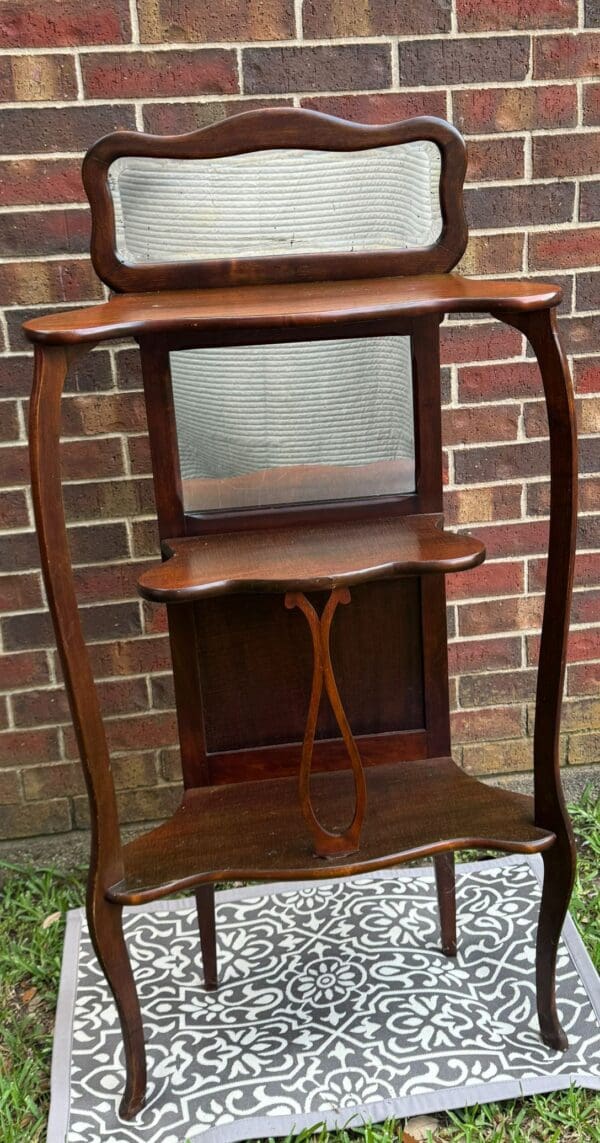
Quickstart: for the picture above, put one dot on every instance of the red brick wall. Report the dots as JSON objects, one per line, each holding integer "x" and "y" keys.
{"x": 518, "y": 78}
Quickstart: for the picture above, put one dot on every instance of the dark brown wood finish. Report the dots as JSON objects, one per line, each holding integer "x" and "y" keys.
{"x": 276, "y": 128}
{"x": 550, "y": 810}
{"x": 307, "y": 557}
{"x": 243, "y": 663}
{"x": 237, "y": 312}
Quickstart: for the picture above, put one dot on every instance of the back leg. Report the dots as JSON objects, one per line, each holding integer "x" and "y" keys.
{"x": 205, "y": 904}
{"x": 445, "y": 881}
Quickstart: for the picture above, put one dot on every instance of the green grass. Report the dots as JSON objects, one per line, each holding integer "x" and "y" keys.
{"x": 30, "y": 958}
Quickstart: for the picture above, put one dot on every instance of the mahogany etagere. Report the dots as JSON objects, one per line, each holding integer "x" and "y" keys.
{"x": 308, "y": 637}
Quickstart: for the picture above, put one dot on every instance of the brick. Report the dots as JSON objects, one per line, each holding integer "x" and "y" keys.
{"x": 134, "y": 771}
{"x": 170, "y": 765}
{"x": 31, "y": 130}
{"x": 374, "y": 18}
{"x": 588, "y": 291}
{"x": 587, "y": 571}
{"x": 485, "y": 341}
{"x": 582, "y": 645}
{"x": 163, "y": 692}
{"x": 586, "y": 374}
{"x": 565, "y": 248}
{"x": 9, "y": 421}
{"x": 589, "y": 202}
{"x": 20, "y": 592}
{"x": 128, "y": 369}
{"x": 580, "y": 714}
{"x": 557, "y": 156}
{"x": 146, "y": 731}
{"x": 183, "y": 21}
{"x": 31, "y": 232}
{"x": 132, "y": 75}
{"x": 111, "y": 413}
{"x": 176, "y": 118}
{"x": 591, "y": 105}
{"x": 493, "y": 688}
{"x": 35, "y": 818}
{"x": 58, "y": 780}
{"x": 10, "y": 788}
{"x": 118, "y": 696}
{"x": 499, "y": 653}
{"x": 98, "y": 542}
{"x": 63, "y": 24}
{"x": 32, "y": 181}
{"x": 155, "y": 618}
{"x": 493, "y": 159}
{"x": 25, "y": 283}
{"x": 584, "y": 749}
{"x": 99, "y": 584}
{"x": 515, "y": 108}
{"x": 580, "y": 334}
{"x": 585, "y": 607}
{"x": 589, "y": 495}
{"x": 135, "y": 805}
{"x": 583, "y": 678}
{"x": 474, "y": 505}
{"x": 27, "y": 747}
{"x": 14, "y": 512}
{"x": 520, "y": 613}
{"x": 500, "y": 462}
{"x": 321, "y": 68}
{"x": 498, "y": 757}
{"x": 491, "y": 579}
{"x": 470, "y": 60}
{"x": 139, "y": 455}
{"x": 588, "y": 415}
{"x": 588, "y": 456}
{"x": 380, "y": 108}
{"x": 29, "y": 668}
{"x": 81, "y": 459}
{"x": 566, "y": 57}
{"x": 108, "y": 499}
{"x": 485, "y": 725}
{"x": 522, "y": 205}
{"x": 592, "y": 13}
{"x": 469, "y": 426}
{"x": 493, "y": 254}
{"x": 513, "y": 15}
{"x": 145, "y": 540}
{"x": 29, "y": 77}
{"x": 113, "y": 620}
{"x": 131, "y": 657}
{"x": 506, "y": 540}
{"x": 535, "y": 419}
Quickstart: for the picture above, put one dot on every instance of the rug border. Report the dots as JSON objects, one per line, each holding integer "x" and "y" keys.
{"x": 447, "y": 1099}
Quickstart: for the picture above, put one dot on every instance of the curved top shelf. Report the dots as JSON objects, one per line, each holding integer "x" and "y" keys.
{"x": 307, "y": 557}
{"x": 291, "y": 305}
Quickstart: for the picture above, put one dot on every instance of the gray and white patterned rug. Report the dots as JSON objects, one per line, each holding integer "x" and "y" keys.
{"x": 335, "y": 1005}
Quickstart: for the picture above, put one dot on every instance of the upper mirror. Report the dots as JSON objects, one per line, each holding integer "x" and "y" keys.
{"x": 276, "y": 202}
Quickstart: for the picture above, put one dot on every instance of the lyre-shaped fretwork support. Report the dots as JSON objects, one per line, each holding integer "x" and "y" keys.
{"x": 327, "y": 843}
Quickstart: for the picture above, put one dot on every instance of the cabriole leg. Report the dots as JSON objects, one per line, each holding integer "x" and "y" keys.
{"x": 445, "y": 881}
{"x": 105, "y": 920}
{"x": 205, "y": 904}
{"x": 559, "y": 875}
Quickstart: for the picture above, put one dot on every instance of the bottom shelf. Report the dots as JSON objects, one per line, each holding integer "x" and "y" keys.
{"x": 254, "y": 830}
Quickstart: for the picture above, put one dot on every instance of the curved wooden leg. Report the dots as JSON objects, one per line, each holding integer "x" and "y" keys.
{"x": 559, "y": 875}
{"x": 205, "y": 904}
{"x": 106, "y": 929}
{"x": 445, "y": 881}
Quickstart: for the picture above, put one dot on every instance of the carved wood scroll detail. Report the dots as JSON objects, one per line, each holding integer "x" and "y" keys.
{"x": 327, "y": 843}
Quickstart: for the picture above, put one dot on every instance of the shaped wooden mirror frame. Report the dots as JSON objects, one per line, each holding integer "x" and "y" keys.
{"x": 390, "y": 553}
